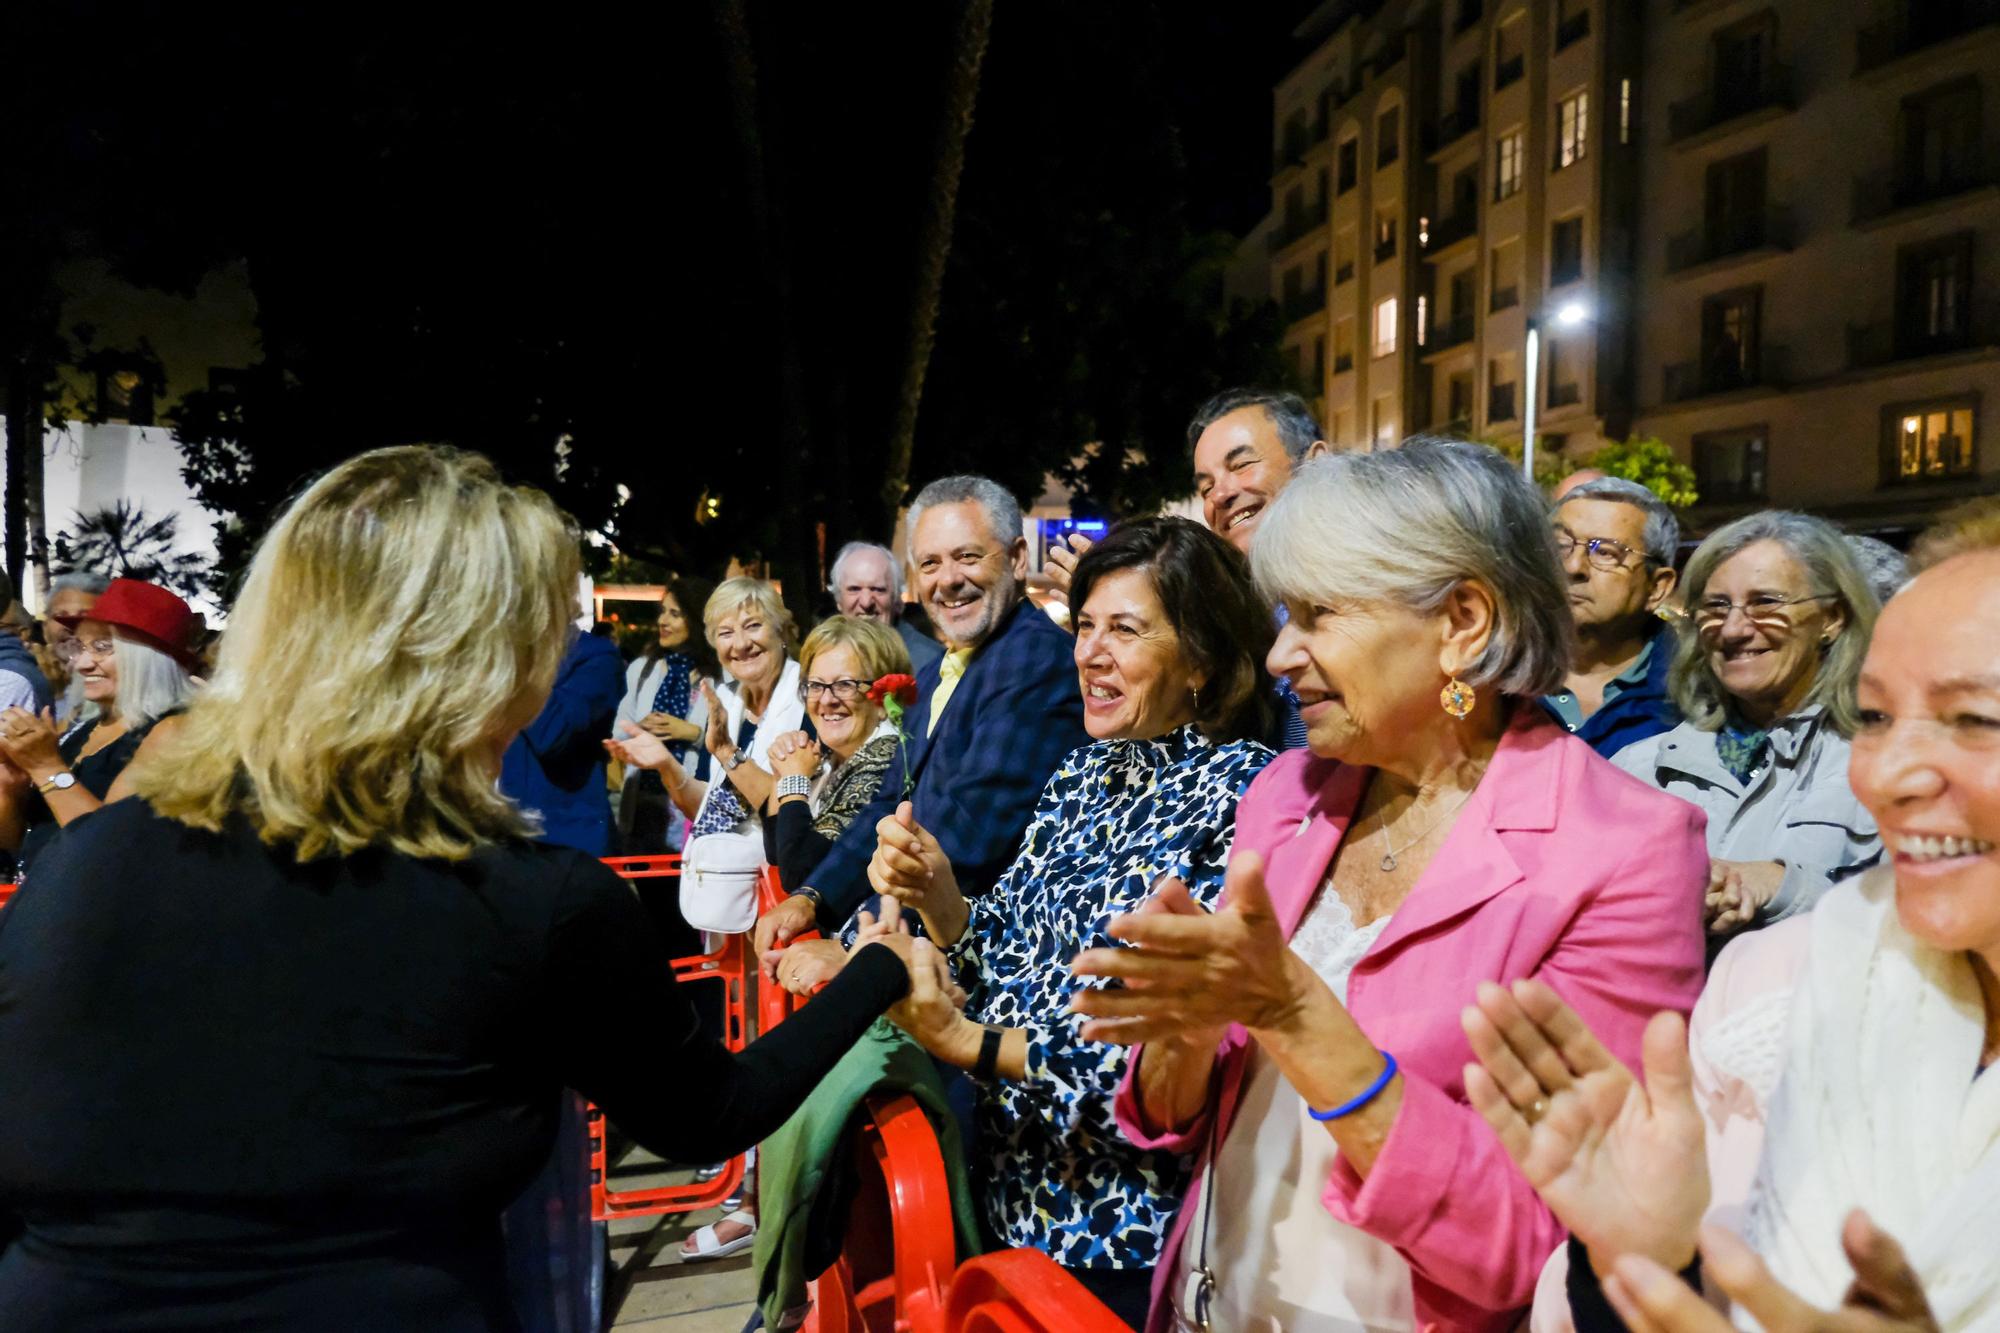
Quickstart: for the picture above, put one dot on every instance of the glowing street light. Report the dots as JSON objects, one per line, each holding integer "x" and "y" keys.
{"x": 1569, "y": 315}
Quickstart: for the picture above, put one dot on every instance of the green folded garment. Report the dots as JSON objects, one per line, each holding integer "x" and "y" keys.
{"x": 806, "y": 1179}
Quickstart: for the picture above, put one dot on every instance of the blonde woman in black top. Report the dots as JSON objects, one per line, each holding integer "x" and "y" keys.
{"x": 287, "y": 1032}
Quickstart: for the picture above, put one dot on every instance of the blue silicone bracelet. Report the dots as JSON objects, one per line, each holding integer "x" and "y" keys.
{"x": 1368, "y": 1094}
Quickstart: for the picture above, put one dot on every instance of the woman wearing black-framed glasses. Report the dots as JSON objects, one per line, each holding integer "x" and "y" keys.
{"x": 1778, "y": 617}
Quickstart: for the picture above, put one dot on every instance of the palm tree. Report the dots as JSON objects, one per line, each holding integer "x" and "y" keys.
{"x": 125, "y": 542}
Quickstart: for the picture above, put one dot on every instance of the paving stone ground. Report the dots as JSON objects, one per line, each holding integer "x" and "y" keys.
{"x": 657, "y": 1293}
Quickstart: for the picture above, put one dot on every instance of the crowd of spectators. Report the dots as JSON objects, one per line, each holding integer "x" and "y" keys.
{"x": 1399, "y": 899}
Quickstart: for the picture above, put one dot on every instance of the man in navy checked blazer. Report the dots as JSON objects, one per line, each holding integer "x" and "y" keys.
{"x": 992, "y": 720}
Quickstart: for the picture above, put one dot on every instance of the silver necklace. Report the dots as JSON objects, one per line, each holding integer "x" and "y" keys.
{"x": 1381, "y": 824}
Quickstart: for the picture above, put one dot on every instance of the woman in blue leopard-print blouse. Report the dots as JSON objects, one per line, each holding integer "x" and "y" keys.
{"x": 1170, "y": 646}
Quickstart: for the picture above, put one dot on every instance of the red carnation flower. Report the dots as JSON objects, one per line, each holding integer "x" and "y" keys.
{"x": 901, "y": 688}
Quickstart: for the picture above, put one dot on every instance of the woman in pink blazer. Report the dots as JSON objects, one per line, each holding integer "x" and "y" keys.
{"x": 1305, "y": 1041}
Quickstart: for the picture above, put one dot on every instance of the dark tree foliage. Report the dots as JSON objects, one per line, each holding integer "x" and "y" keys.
{"x": 679, "y": 242}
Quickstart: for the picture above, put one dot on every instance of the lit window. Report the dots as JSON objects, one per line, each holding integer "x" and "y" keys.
{"x": 1507, "y": 166}
{"x": 1572, "y": 129}
{"x": 1624, "y": 111}
{"x": 1935, "y": 441}
{"x": 1385, "y": 326}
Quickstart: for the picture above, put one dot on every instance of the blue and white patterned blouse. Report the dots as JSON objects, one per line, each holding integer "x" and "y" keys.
{"x": 1053, "y": 1170}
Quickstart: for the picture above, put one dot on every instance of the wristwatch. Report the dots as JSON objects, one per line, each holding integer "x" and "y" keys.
{"x": 735, "y": 760}
{"x": 62, "y": 781}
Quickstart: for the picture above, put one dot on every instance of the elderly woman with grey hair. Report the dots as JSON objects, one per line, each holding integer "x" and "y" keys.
{"x": 1779, "y": 616}
{"x": 1303, "y": 1042}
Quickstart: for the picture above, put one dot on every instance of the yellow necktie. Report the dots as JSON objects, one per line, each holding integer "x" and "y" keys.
{"x": 949, "y": 672}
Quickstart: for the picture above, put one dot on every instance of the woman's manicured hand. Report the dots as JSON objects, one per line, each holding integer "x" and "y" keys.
{"x": 1620, "y": 1163}
{"x": 1187, "y": 975}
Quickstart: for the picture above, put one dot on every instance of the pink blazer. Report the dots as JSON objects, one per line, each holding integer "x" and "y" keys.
{"x": 1559, "y": 866}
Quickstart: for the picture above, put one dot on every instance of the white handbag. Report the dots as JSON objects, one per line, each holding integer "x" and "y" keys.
{"x": 719, "y": 874}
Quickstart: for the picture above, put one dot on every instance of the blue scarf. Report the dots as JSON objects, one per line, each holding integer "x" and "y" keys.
{"x": 675, "y": 694}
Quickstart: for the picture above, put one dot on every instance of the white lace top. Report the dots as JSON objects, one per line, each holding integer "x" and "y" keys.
{"x": 1282, "y": 1263}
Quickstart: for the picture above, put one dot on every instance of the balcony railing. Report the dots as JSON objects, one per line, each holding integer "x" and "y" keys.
{"x": 1309, "y": 302}
{"x": 1509, "y": 72}
{"x": 1886, "y": 342}
{"x": 1722, "y": 373}
{"x": 1886, "y": 192}
{"x": 1458, "y": 122}
{"x": 1449, "y": 333}
{"x": 1727, "y": 100}
{"x": 1573, "y": 29}
{"x": 1921, "y": 24}
{"x": 1770, "y": 229}
{"x": 1298, "y": 142}
{"x": 1500, "y": 402}
{"x": 1449, "y": 231}
{"x": 1299, "y": 225}
{"x": 1385, "y": 250}
{"x": 1505, "y": 298}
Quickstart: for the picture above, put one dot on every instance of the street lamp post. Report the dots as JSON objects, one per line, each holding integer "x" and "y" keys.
{"x": 1568, "y": 316}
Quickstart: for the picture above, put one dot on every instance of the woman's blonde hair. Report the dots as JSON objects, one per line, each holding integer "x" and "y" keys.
{"x": 881, "y": 650}
{"x": 404, "y": 616}
{"x": 732, "y": 595}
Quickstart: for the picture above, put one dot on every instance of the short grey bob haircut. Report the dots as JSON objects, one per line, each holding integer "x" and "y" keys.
{"x": 1663, "y": 530}
{"x": 1408, "y": 526}
{"x": 1003, "y": 511}
{"x": 1298, "y": 429}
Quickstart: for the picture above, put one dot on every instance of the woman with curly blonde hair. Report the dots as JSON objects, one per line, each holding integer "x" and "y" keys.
{"x": 289, "y": 1030}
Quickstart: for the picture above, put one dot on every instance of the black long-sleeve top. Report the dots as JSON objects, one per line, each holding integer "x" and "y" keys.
{"x": 243, "y": 1093}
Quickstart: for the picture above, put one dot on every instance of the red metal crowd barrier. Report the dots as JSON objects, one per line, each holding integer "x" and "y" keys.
{"x": 730, "y": 967}
{"x": 6, "y": 892}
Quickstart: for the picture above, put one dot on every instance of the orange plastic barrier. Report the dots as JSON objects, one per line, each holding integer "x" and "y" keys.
{"x": 6, "y": 892}
{"x": 897, "y": 1258}
{"x": 1023, "y": 1291}
{"x": 731, "y": 967}
{"x": 896, "y": 1272}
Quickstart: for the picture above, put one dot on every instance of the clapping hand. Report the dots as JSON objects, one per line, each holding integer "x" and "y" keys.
{"x": 1620, "y": 1163}
{"x": 29, "y": 741}
{"x": 673, "y": 730}
{"x": 717, "y": 739}
{"x": 640, "y": 749}
{"x": 1886, "y": 1296}
{"x": 1193, "y": 972}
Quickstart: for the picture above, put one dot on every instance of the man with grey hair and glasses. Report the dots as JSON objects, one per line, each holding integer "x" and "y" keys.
{"x": 867, "y": 582}
{"x": 1616, "y": 541}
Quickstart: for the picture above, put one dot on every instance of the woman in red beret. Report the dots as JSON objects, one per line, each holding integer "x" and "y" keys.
{"x": 133, "y": 652}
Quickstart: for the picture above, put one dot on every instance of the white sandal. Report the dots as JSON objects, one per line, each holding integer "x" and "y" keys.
{"x": 707, "y": 1247}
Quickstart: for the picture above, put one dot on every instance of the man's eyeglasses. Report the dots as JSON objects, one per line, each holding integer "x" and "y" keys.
{"x": 847, "y": 691}
{"x": 1602, "y": 552}
{"x": 1764, "y": 608}
{"x": 71, "y": 649}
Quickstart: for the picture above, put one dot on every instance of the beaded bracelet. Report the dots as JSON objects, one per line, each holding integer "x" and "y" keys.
{"x": 1368, "y": 1094}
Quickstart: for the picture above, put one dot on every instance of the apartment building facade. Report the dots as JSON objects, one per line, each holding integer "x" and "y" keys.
{"x": 1820, "y": 323}
{"x": 1749, "y": 227}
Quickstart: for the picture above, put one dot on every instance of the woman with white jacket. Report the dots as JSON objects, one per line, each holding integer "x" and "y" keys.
{"x": 1831, "y": 1119}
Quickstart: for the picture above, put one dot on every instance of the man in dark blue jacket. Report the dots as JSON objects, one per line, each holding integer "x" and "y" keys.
{"x": 1617, "y": 541}
{"x": 556, "y": 766}
{"x": 992, "y": 720}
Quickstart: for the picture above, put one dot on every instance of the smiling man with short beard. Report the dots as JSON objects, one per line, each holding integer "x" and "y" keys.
{"x": 992, "y": 719}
